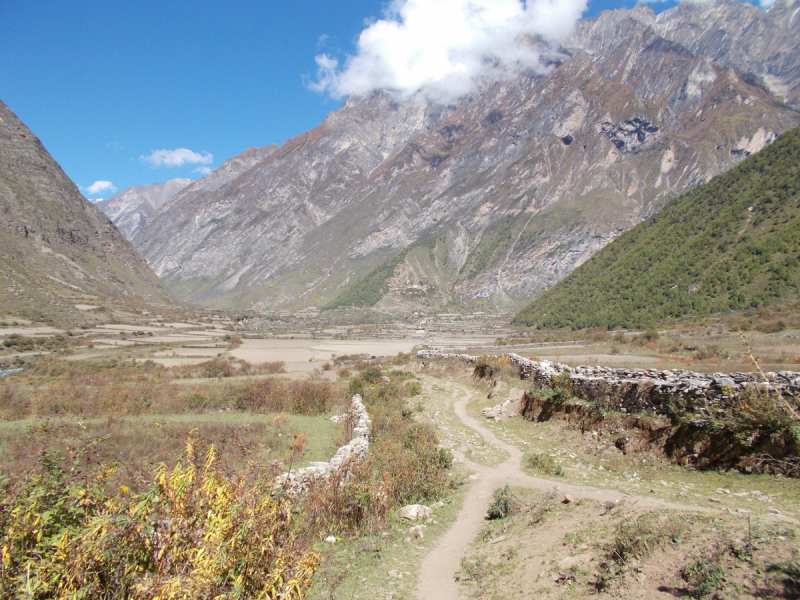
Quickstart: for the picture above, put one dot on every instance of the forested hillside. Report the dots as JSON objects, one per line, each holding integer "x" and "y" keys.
{"x": 730, "y": 244}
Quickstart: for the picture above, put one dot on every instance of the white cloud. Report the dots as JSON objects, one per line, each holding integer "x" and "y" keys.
{"x": 177, "y": 158}
{"x": 100, "y": 187}
{"x": 446, "y": 47}
{"x": 203, "y": 170}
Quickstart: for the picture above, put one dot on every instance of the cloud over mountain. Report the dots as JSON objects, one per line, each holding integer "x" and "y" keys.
{"x": 177, "y": 158}
{"x": 100, "y": 187}
{"x": 446, "y": 47}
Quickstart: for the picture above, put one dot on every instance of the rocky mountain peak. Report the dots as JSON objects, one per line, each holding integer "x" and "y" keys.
{"x": 492, "y": 200}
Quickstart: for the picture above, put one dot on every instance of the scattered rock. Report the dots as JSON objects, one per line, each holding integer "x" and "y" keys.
{"x": 567, "y": 499}
{"x": 298, "y": 480}
{"x": 412, "y": 512}
{"x": 437, "y": 505}
{"x": 330, "y": 539}
{"x": 639, "y": 389}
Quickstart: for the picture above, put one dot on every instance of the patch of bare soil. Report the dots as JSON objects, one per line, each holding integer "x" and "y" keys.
{"x": 604, "y": 541}
{"x": 549, "y": 549}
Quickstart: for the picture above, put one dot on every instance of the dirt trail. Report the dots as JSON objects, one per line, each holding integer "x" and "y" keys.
{"x": 437, "y": 573}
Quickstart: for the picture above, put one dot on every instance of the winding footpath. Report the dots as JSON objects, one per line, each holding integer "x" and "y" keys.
{"x": 438, "y": 570}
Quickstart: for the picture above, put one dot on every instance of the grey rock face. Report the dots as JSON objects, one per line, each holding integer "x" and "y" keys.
{"x": 130, "y": 209}
{"x": 498, "y": 197}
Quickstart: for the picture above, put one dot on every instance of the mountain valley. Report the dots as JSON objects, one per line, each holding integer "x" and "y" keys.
{"x": 489, "y": 202}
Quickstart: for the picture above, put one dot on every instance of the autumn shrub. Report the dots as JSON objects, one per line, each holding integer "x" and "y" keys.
{"x": 234, "y": 341}
{"x": 347, "y": 504}
{"x": 772, "y": 326}
{"x": 711, "y": 351}
{"x": 371, "y": 374}
{"x": 194, "y": 533}
{"x": 403, "y": 452}
{"x": 543, "y": 463}
{"x": 493, "y": 367}
{"x": 483, "y": 368}
{"x": 413, "y": 388}
{"x": 759, "y": 432}
{"x": 126, "y": 390}
{"x": 304, "y": 397}
{"x": 633, "y": 539}
{"x": 636, "y": 537}
{"x": 217, "y": 367}
{"x": 502, "y": 503}
{"x": 267, "y": 394}
{"x": 409, "y": 455}
{"x": 13, "y": 401}
{"x": 264, "y": 368}
{"x": 704, "y": 576}
{"x": 349, "y": 358}
{"x": 310, "y": 397}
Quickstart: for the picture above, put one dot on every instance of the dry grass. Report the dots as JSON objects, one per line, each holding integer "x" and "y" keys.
{"x": 56, "y": 388}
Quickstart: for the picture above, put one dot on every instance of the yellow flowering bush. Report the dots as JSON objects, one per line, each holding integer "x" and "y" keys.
{"x": 195, "y": 533}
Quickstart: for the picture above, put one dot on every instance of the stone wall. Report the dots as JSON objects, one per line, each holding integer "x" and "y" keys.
{"x": 644, "y": 390}
{"x": 351, "y": 453}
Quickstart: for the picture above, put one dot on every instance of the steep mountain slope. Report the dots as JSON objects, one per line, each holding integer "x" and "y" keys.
{"x": 499, "y": 197}
{"x": 730, "y": 244}
{"x": 132, "y": 207}
{"x": 56, "y": 248}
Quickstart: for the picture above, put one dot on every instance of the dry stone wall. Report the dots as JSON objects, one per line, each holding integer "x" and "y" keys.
{"x": 346, "y": 456}
{"x": 644, "y": 390}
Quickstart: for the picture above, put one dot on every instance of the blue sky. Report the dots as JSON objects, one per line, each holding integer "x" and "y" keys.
{"x": 106, "y": 83}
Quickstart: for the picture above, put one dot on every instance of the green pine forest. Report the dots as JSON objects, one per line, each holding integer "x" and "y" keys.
{"x": 728, "y": 245}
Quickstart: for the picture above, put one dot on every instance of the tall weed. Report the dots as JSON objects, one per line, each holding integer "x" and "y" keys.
{"x": 195, "y": 533}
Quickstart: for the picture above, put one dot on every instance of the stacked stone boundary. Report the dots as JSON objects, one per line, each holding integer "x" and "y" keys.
{"x": 346, "y": 456}
{"x": 644, "y": 390}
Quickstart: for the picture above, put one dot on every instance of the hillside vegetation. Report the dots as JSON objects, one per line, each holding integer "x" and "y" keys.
{"x": 730, "y": 244}
{"x": 368, "y": 290}
{"x": 57, "y": 250}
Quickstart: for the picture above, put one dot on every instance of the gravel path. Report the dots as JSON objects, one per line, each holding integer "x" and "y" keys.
{"x": 438, "y": 570}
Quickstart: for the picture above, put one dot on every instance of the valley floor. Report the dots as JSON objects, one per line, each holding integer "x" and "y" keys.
{"x": 635, "y": 526}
